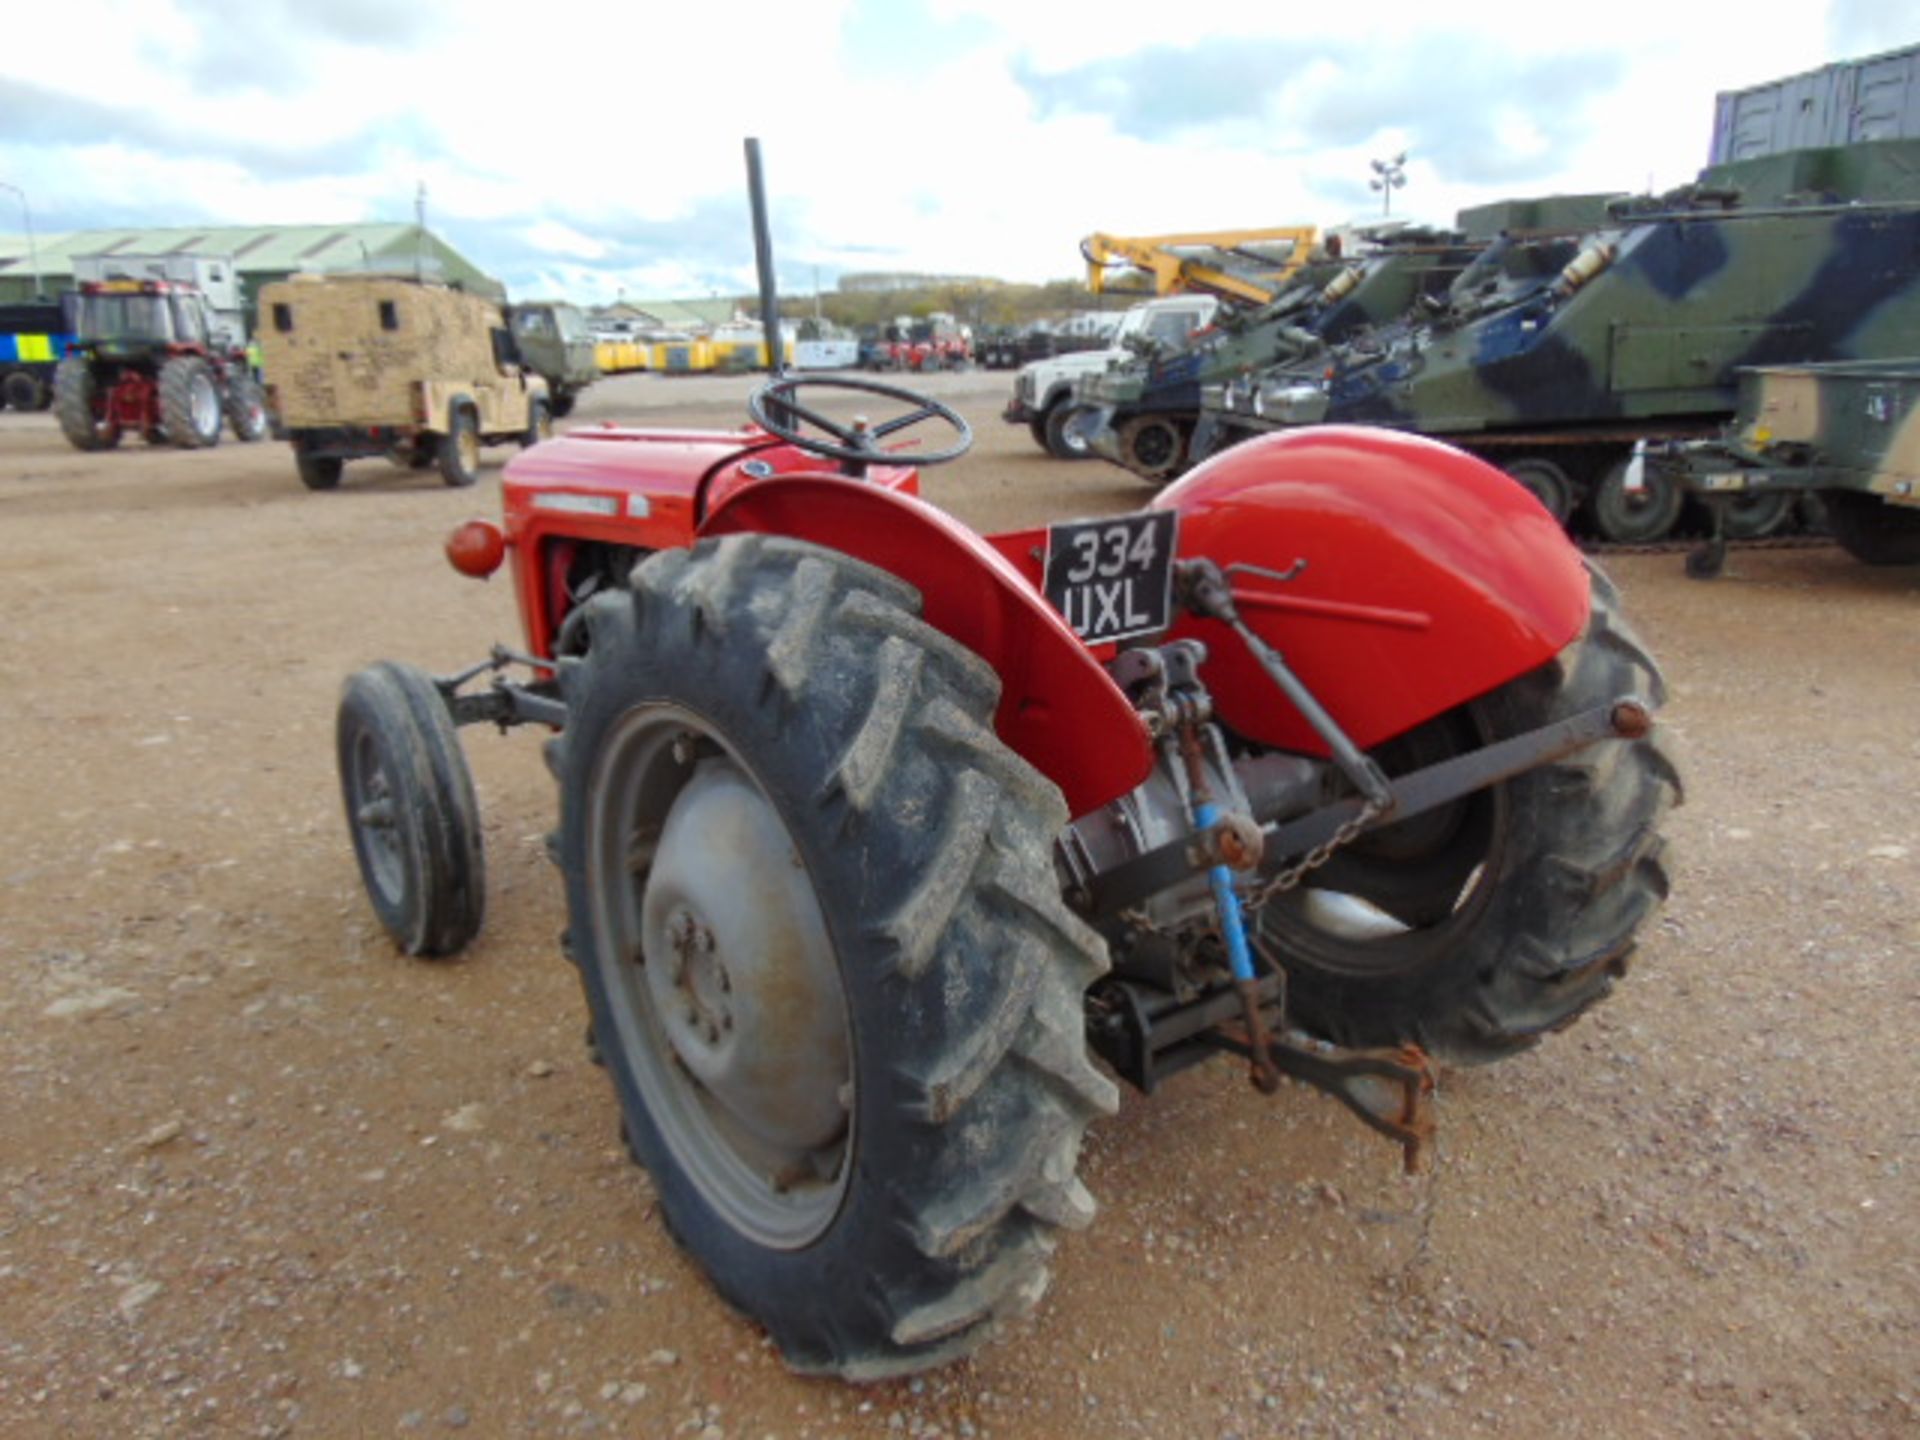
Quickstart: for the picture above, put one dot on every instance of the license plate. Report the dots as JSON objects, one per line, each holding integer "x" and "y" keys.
{"x": 1112, "y": 579}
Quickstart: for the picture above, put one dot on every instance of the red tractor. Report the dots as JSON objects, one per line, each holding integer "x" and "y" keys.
{"x": 145, "y": 359}
{"x": 877, "y": 832}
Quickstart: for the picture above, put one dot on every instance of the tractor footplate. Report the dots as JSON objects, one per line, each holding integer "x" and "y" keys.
{"x": 1391, "y": 1090}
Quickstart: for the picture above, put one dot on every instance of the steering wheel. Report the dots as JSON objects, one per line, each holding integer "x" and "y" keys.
{"x": 856, "y": 445}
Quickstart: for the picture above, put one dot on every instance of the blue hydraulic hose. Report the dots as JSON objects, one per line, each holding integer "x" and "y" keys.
{"x": 1232, "y": 926}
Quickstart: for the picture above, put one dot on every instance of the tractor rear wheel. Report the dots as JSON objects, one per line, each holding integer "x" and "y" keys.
{"x": 1475, "y": 929}
{"x": 246, "y": 409}
{"x": 190, "y": 403}
{"x": 459, "y": 452}
{"x": 411, "y": 809}
{"x": 812, "y": 901}
{"x": 73, "y": 406}
{"x": 1872, "y": 531}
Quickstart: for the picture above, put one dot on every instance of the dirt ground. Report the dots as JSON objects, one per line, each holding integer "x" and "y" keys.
{"x": 259, "y": 1175}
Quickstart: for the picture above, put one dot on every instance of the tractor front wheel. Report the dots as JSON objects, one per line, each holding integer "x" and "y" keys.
{"x": 75, "y": 406}
{"x": 811, "y": 897}
{"x": 190, "y": 410}
{"x": 1474, "y": 929}
{"x": 459, "y": 452}
{"x": 410, "y": 809}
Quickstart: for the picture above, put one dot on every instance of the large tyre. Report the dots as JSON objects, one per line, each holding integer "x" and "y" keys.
{"x": 190, "y": 409}
{"x": 73, "y": 406}
{"x": 1475, "y": 929}
{"x": 1062, "y": 443}
{"x": 23, "y": 391}
{"x": 1625, "y": 514}
{"x": 459, "y": 452}
{"x": 812, "y": 901}
{"x": 1155, "y": 447}
{"x": 560, "y": 403}
{"x": 410, "y": 809}
{"x": 246, "y": 408}
{"x": 1872, "y": 531}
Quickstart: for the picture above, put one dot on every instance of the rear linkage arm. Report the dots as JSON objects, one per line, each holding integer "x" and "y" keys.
{"x": 504, "y": 703}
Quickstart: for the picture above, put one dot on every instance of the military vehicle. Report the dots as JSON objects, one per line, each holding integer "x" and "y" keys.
{"x": 1141, "y": 412}
{"x": 1043, "y": 390}
{"x": 556, "y": 343}
{"x": 1555, "y": 356}
{"x": 1846, "y": 432}
{"x": 411, "y": 369}
{"x": 33, "y": 337}
{"x": 147, "y": 357}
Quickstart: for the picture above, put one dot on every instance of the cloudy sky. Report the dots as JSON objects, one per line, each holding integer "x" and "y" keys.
{"x": 589, "y": 148}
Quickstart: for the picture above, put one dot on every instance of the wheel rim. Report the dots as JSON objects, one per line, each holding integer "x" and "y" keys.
{"x": 1398, "y": 899}
{"x": 376, "y": 818}
{"x": 727, "y": 999}
{"x": 204, "y": 405}
{"x": 1638, "y": 515}
{"x": 469, "y": 451}
{"x": 1155, "y": 447}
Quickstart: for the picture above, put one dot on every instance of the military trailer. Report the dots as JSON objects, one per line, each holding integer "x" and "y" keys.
{"x": 1848, "y": 433}
{"x": 1559, "y": 357}
{"x": 1141, "y": 413}
{"x": 556, "y": 342}
{"x": 417, "y": 371}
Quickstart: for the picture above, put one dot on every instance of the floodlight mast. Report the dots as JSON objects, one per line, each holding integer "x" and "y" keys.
{"x": 763, "y": 261}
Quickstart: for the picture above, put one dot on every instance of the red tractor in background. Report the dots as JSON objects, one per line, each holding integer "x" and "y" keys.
{"x": 146, "y": 359}
{"x": 875, "y": 832}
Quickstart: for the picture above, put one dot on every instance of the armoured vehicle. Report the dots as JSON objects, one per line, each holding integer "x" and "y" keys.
{"x": 1141, "y": 412}
{"x": 33, "y": 338}
{"x": 414, "y": 370}
{"x": 1556, "y": 356}
{"x": 148, "y": 358}
{"x": 873, "y": 830}
{"x": 556, "y": 343}
{"x": 1846, "y": 432}
{"x": 1043, "y": 390}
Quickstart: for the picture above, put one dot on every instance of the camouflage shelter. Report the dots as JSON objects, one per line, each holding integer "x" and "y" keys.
{"x": 260, "y": 255}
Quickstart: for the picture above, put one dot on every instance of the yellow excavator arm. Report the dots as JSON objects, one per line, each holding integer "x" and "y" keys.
{"x": 1245, "y": 265}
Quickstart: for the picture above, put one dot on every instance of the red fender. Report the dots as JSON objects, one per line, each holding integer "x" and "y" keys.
{"x": 1429, "y": 578}
{"x": 1058, "y": 709}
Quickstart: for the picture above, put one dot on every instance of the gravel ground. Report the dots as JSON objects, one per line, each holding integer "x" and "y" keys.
{"x": 261, "y": 1176}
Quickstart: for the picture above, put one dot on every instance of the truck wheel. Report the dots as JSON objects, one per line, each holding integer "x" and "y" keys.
{"x": 812, "y": 901}
{"x": 1872, "y": 531}
{"x": 23, "y": 391}
{"x": 1475, "y": 929}
{"x": 318, "y": 472}
{"x": 410, "y": 809}
{"x": 246, "y": 409}
{"x": 1627, "y": 516}
{"x": 539, "y": 424}
{"x": 73, "y": 406}
{"x": 1059, "y": 442}
{"x": 560, "y": 403}
{"x": 1547, "y": 482}
{"x": 1154, "y": 447}
{"x": 459, "y": 452}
